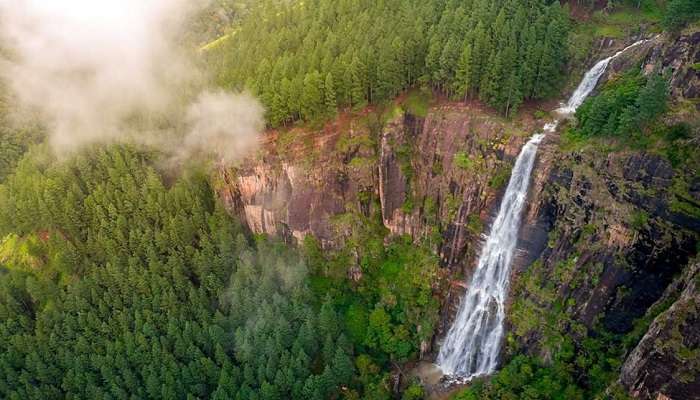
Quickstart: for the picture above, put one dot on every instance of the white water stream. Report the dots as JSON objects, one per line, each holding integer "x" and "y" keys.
{"x": 473, "y": 343}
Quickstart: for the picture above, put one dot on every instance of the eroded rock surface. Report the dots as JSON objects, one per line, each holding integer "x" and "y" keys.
{"x": 434, "y": 177}
{"x": 666, "y": 362}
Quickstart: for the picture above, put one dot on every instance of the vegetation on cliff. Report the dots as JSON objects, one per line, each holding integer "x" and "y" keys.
{"x": 625, "y": 106}
{"x": 119, "y": 279}
{"x": 680, "y": 13}
{"x": 582, "y": 307}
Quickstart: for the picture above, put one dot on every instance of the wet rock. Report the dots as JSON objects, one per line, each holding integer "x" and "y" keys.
{"x": 676, "y": 56}
{"x": 666, "y": 362}
{"x": 613, "y": 244}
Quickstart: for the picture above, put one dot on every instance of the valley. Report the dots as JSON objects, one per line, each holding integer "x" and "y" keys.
{"x": 350, "y": 199}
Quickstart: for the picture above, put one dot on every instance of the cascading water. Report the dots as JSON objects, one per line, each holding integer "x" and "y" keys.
{"x": 589, "y": 81}
{"x": 473, "y": 343}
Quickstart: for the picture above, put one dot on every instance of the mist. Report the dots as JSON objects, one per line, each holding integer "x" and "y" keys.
{"x": 112, "y": 70}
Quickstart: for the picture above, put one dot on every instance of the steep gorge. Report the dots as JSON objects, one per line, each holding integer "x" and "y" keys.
{"x": 611, "y": 234}
{"x": 604, "y": 242}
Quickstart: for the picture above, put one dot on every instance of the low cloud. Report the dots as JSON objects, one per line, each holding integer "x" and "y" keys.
{"x": 110, "y": 70}
{"x": 222, "y": 124}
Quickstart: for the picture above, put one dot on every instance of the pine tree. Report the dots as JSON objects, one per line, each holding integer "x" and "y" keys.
{"x": 490, "y": 86}
{"x": 481, "y": 53}
{"x": 328, "y": 320}
{"x": 312, "y": 98}
{"x": 448, "y": 62}
{"x": 463, "y": 81}
{"x": 343, "y": 368}
{"x": 357, "y": 89}
{"x": 652, "y": 98}
{"x": 329, "y": 87}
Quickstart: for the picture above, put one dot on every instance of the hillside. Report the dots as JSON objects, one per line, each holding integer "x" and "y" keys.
{"x": 350, "y": 199}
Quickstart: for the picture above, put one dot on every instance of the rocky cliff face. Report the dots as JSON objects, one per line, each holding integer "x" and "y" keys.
{"x": 609, "y": 232}
{"x": 666, "y": 362}
{"x": 435, "y": 178}
{"x": 677, "y": 56}
{"x": 605, "y": 236}
{"x": 614, "y": 243}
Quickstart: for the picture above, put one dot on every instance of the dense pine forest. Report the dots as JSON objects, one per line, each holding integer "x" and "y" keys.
{"x": 313, "y": 58}
{"x": 116, "y": 284}
{"x": 124, "y": 276}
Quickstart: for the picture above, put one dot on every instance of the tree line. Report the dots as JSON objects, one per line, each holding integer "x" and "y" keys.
{"x": 306, "y": 59}
{"x": 116, "y": 282}
{"x": 115, "y": 285}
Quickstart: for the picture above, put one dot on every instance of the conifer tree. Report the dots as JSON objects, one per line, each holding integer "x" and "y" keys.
{"x": 330, "y": 95}
{"x": 652, "y": 98}
{"x": 463, "y": 83}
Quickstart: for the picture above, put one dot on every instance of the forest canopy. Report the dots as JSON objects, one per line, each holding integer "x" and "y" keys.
{"x": 306, "y": 59}
{"x": 122, "y": 279}
{"x": 117, "y": 283}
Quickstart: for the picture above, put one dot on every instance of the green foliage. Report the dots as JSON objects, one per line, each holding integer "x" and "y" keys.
{"x": 398, "y": 291}
{"x": 500, "y": 177}
{"x": 413, "y": 392}
{"x": 624, "y": 18}
{"x": 540, "y": 114}
{"x": 624, "y": 107}
{"x": 417, "y": 102}
{"x": 504, "y": 51}
{"x": 115, "y": 285}
{"x": 462, "y": 160}
{"x": 474, "y": 224}
{"x": 392, "y": 308}
{"x": 13, "y": 145}
{"x": 680, "y": 13}
{"x": 526, "y": 378}
{"x": 678, "y": 150}
{"x": 640, "y": 219}
{"x": 681, "y": 201}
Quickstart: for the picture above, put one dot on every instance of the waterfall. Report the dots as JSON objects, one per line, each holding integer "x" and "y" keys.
{"x": 473, "y": 343}
{"x": 589, "y": 81}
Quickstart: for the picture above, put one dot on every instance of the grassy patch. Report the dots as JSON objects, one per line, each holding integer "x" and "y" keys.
{"x": 500, "y": 177}
{"x": 418, "y": 102}
{"x": 18, "y": 253}
{"x": 393, "y": 112}
{"x": 640, "y": 219}
{"x": 349, "y": 142}
{"x": 681, "y": 200}
{"x": 625, "y": 19}
{"x": 463, "y": 161}
{"x": 474, "y": 224}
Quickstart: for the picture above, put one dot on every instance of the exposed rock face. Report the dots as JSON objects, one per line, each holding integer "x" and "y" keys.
{"x": 679, "y": 56}
{"x": 666, "y": 362}
{"x": 439, "y": 174}
{"x": 299, "y": 188}
{"x": 614, "y": 244}
{"x": 605, "y": 235}
{"x": 295, "y": 188}
{"x": 675, "y": 56}
{"x": 600, "y": 244}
